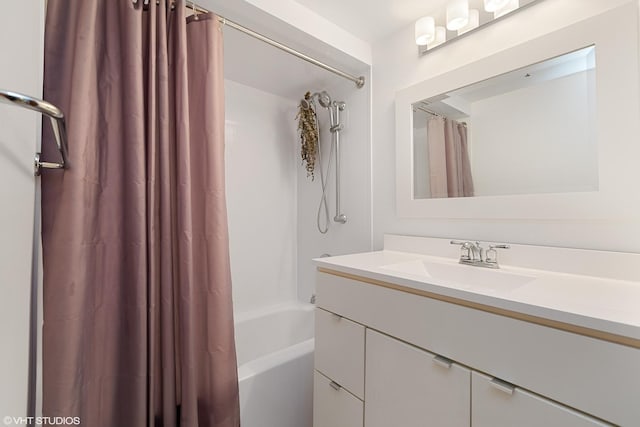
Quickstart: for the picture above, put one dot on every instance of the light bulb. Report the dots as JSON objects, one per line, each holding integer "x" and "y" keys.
{"x": 474, "y": 21}
{"x": 425, "y": 30}
{"x": 507, "y": 8}
{"x": 457, "y": 14}
{"x": 493, "y": 5}
{"x": 440, "y": 37}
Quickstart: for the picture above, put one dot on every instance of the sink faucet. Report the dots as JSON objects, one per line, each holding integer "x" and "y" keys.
{"x": 474, "y": 254}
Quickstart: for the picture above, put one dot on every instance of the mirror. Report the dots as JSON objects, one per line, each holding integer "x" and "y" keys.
{"x": 528, "y": 131}
{"x": 589, "y": 173}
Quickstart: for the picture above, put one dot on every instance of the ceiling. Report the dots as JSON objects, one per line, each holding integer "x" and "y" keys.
{"x": 371, "y": 20}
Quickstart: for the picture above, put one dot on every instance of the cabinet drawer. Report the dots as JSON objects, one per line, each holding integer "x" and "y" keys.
{"x": 406, "y": 386}
{"x": 339, "y": 351}
{"x": 334, "y": 406}
{"x": 497, "y": 404}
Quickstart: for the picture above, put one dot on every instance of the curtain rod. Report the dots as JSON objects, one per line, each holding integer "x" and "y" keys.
{"x": 359, "y": 81}
{"x": 433, "y": 113}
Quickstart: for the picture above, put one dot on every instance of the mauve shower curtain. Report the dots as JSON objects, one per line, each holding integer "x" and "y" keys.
{"x": 138, "y": 324}
{"x": 449, "y": 165}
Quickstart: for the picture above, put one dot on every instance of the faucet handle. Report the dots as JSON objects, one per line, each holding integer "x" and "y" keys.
{"x": 499, "y": 246}
{"x": 465, "y": 249}
{"x": 492, "y": 254}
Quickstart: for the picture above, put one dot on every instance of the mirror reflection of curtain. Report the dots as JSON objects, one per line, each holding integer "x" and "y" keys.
{"x": 449, "y": 165}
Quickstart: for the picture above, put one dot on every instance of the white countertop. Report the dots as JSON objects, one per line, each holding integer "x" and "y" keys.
{"x": 603, "y": 304}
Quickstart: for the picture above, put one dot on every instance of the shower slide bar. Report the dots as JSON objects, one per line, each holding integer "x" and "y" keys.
{"x": 359, "y": 81}
{"x": 57, "y": 124}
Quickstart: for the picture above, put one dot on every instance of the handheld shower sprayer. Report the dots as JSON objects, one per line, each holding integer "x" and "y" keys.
{"x": 323, "y": 98}
{"x": 334, "y": 108}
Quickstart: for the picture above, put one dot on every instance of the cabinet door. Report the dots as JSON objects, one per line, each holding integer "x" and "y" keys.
{"x": 334, "y": 406}
{"x": 339, "y": 351}
{"x": 498, "y": 404}
{"x": 409, "y": 387}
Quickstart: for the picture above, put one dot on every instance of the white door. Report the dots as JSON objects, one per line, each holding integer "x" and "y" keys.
{"x": 409, "y": 387}
{"x": 21, "y": 62}
{"x": 498, "y": 404}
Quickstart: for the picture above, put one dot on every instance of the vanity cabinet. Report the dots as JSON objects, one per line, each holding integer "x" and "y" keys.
{"x": 499, "y": 404}
{"x": 333, "y": 405}
{"x": 340, "y": 356}
{"x": 339, "y": 371}
{"x": 419, "y": 357}
{"x": 407, "y": 386}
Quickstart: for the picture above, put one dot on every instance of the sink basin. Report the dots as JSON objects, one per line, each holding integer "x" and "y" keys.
{"x": 463, "y": 276}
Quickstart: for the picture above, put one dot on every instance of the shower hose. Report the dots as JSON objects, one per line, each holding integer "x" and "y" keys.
{"x": 323, "y": 207}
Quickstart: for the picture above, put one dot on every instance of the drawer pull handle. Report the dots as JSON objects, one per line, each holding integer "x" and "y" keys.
{"x": 503, "y": 386}
{"x": 334, "y": 385}
{"x": 442, "y": 361}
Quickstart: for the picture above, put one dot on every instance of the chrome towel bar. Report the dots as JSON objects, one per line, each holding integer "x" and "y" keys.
{"x": 56, "y": 118}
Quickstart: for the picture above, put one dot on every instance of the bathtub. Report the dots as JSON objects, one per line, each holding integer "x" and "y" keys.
{"x": 275, "y": 366}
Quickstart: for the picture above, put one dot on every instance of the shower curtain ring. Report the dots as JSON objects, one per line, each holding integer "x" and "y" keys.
{"x": 195, "y": 10}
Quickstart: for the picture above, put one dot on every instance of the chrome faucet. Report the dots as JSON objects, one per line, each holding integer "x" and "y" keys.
{"x": 474, "y": 254}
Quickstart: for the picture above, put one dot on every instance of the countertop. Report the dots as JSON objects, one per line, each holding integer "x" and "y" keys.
{"x": 602, "y": 304}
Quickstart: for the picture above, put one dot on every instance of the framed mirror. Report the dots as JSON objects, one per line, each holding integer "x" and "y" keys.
{"x": 544, "y": 130}
{"x": 528, "y": 131}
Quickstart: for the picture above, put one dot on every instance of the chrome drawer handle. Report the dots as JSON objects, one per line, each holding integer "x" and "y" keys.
{"x": 334, "y": 385}
{"x": 442, "y": 361}
{"x": 503, "y": 386}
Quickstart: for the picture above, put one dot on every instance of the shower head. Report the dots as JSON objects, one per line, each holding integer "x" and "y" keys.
{"x": 323, "y": 98}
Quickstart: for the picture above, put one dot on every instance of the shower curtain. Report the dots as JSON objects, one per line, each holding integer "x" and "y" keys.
{"x": 138, "y": 327}
{"x": 449, "y": 165}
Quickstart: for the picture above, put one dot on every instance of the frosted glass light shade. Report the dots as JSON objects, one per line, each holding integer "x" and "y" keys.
{"x": 425, "y": 30}
{"x": 474, "y": 21}
{"x": 509, "y": 7}
{"x": 493, "y": 5}
{"x": 457, "y": 14}
{"x": 440, "y": 37}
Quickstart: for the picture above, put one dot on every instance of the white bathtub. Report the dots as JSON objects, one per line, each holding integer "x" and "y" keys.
{"x": 275, "y": 366}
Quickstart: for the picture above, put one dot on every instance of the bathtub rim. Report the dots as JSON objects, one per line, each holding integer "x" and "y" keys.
{"x": 252, "y": 314}
{"x": 269, "y": 361}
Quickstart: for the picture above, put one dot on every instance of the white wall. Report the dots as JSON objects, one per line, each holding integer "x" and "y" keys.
{"x": 397, "y": 66}
{"x": 261, "y": 195}
{"x": 355, "y": 234}
{"x": 537, "y": 139}
{"x": 21, "y": 71}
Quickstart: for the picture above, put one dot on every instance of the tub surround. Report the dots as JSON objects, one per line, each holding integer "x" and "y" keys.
{"x": 553, "y": 338}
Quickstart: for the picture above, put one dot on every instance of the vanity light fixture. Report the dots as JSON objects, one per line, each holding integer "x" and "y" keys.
{"x": 425, "y": 30}
{"x": 507, "y": 8}
{"x": 457, "y": 14}
{"x": 474, "y": 21}
{"x": 493, "y": 5}
{"x": 441, "y": 37}
{"x": 462, "y": 21}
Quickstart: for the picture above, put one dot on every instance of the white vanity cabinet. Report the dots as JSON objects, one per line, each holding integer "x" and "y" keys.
{"x": 409, "y": 387}
{"x": 499, "y": 404}
{"x": 333, "y": 405}
{"x": 339, "y": 377}
{"x": 422, "y": 360}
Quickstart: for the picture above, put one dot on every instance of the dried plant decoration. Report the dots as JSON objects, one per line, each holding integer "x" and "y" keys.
{"x": 308, "y": 129}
